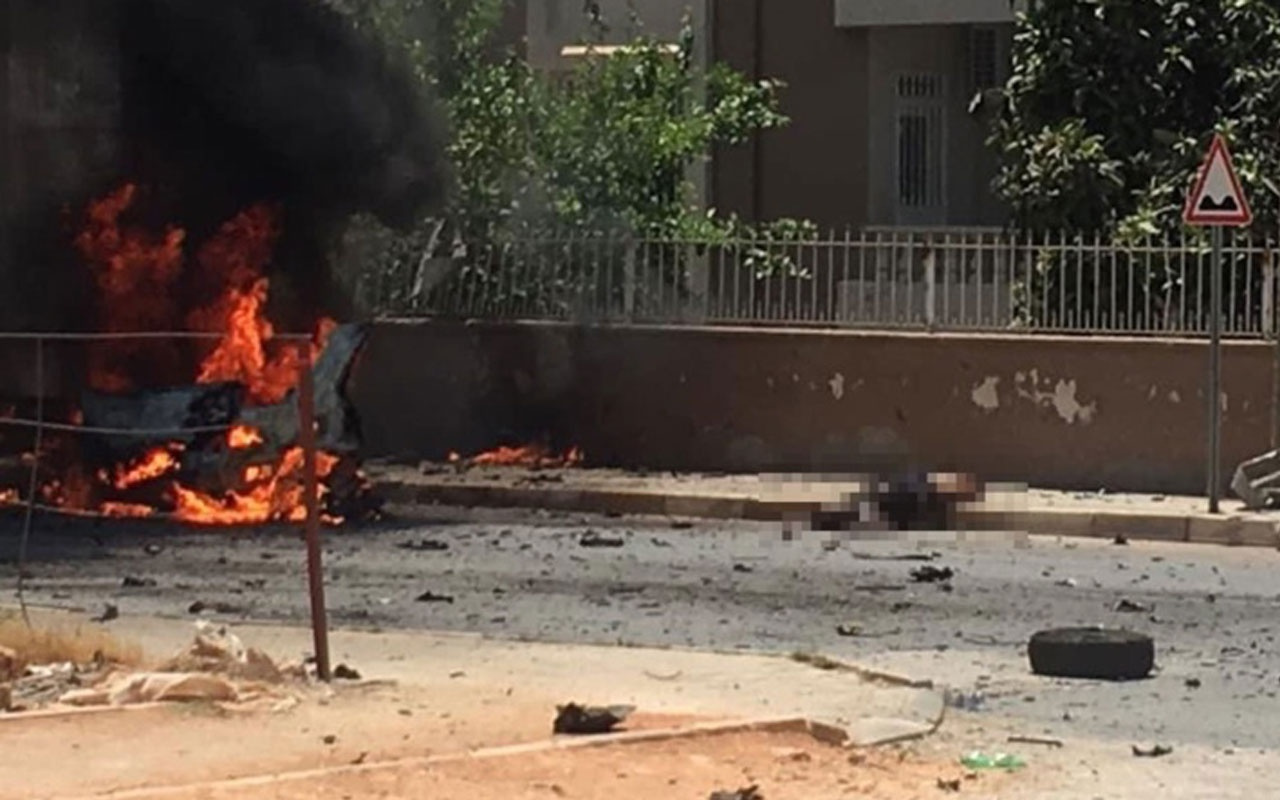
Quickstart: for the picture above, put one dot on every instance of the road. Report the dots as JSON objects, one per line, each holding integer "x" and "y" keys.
{"x": 736, "y": 586}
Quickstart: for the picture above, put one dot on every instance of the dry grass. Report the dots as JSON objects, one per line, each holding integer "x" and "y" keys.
{"x": 54, "y": 645}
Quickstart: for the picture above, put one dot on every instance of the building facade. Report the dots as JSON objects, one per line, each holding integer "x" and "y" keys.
{"x": 888, "y": 127}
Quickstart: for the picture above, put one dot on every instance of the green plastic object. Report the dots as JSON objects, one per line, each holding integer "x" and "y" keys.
{"x": 996, "y": 761}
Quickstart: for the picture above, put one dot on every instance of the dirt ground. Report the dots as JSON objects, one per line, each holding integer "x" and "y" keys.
{"x": 783, "y": 766}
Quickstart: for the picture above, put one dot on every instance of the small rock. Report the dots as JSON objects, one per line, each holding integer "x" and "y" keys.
{"x": 749, "y": 793}
{"x": 344, "y": 673}
{"x": 130, "y": 582}
{"x": 1069, "y": 583}
{"x": 743, "y": 568}
{"x": 594, "y": 539}
{"x": 1192, "y": 683}
{"x": 1120, "y": 539}
{"x": 951, "y": 786}
{"x": 848, "y": 630}
{"x": 330, "y": 740}
{"x": 1157, "y": 751}
{"x": 109, "y": 613}
{"x": 424, "y": 546}
{"x": 153, "y": 549}
{"x": 586, "y": 720}
{"x": 1128, "y": 606}
{"x": 432, "y": 597}
{"x": 932, "y": 574}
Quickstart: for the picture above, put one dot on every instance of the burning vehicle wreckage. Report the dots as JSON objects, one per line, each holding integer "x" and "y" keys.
{"x": 212, "y": 456}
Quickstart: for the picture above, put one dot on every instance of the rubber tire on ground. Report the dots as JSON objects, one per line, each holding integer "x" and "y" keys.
{"x": 1092, "y": 653}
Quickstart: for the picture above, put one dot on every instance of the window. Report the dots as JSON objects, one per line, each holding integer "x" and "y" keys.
{"x": 984, "y": 57}
{"x": 920, "y": 141}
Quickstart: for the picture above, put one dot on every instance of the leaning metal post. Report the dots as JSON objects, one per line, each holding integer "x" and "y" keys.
{"x": 1215, "y": 372}
{"x": 32, "y": 484}
{"x": 315, "y": 567}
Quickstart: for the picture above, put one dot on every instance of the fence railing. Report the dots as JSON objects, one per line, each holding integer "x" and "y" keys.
{"x": 977, "y": 281}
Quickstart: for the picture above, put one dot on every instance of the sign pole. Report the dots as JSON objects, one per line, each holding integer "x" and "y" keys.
{"x": 1217, "y": 200}
{"x": 1215, "y": 372}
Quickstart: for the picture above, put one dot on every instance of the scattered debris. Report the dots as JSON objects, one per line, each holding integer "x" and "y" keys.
{"x": 1192, "y": 683}
{"x": 588, "y": 720}
{"x": 1127, "y": 606}
{"x": 931, "y": 574}
{"x": 671, "y": 677}
{"x": 424, "y": 546}
{"x": 1120, "y": 539}
{"x": 848, "y": 630}
{"x": 743, "y": 568}
{"x": 109, "y": 613}
{"x": 130, "y": 582}
{"x": 1005, "y": 761}
{"x": 216, "y": 650}
{"x": 1055, "y": 743}
{"x": 344, "y": 673}
{"x": 432, "y": 597}
{"x": 1068, "y": 583}
{"x": 200, "y": 606}
{"x": 330, "y": 740}
{"x": 749, "y": 793}
{"x": 10, "y": 665}
{"x": 964, "y": 701}
{"x": 1156, "y": 751}
{"x": 6, "y": 698}
{"x": 1092, "y": 653}
{"x": 360, "y": 759}
{"x": 595, "y": 539}
{"x": 153, "y": 549}
{"x": 897, "y": 557}
{"x": 951, "y": 786}
{"x": 682, "y": 525}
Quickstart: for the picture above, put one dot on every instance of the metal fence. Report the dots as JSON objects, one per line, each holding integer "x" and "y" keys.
{"x": 958, "y": 281}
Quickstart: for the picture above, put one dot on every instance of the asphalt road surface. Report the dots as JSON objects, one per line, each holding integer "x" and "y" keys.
{"x": 1214, "y": 612}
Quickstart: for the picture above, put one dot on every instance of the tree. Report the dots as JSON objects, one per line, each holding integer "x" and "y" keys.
{"x": 1111, "y": 103}
{"x": 605, "y": 150}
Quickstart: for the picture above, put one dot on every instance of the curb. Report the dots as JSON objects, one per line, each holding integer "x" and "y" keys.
{"x": 1226, "y": 530}
{"x": 827, "y": 734}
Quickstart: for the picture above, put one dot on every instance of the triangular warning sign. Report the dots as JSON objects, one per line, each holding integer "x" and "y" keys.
{"x": 1217, "y": 198}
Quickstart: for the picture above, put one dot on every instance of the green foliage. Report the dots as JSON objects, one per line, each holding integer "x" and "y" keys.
{"x": 1112, "y": 102}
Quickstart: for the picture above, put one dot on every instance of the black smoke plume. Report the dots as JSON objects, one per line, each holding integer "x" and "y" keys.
{"x": 228, "y": 103}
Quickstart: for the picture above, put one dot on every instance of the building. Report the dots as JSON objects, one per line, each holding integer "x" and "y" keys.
{"x": 885, "y": 130}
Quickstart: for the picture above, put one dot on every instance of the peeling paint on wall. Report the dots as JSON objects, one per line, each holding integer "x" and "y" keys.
{"x": 1062, "y": 399}
{"x": 986, "y": 395}
{"x": 837, "y": 386}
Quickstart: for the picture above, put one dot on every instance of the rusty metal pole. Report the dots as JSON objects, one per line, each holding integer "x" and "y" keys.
{"x": 315, "y": 566}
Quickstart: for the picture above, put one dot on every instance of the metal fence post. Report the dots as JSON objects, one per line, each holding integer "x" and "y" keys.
{"x": 315, "y": 567}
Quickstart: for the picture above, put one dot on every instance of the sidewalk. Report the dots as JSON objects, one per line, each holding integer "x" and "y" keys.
{"x": 767, "y": 498}
{"x": 425, "y": 695}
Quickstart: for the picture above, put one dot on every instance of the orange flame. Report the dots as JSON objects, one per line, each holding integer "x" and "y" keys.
{"x": 153, "y": 465}
{"x": 141, "y": 286}
{"x": 531, "y": 455}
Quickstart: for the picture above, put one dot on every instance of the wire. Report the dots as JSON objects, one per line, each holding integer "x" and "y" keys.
{"x": 32, "y": 485}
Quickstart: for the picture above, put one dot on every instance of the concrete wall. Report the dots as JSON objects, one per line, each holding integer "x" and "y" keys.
{"x": 1076, "y": 413}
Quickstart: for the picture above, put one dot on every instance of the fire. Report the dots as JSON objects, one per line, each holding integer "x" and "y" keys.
{"x": 142, "y": 285}
{"x": 153, "y": 465}
{"x": 531, "y": 455}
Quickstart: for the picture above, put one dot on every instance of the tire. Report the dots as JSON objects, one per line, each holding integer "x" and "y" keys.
{"x": 1092, "y": 653}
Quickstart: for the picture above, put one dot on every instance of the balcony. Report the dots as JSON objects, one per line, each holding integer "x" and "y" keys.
{"x": 875, "y": 13}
